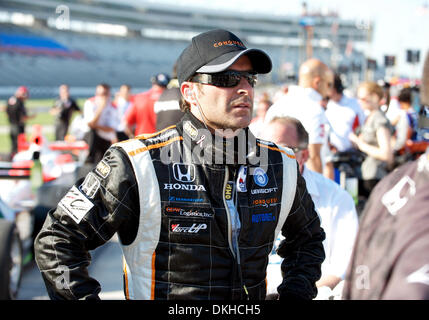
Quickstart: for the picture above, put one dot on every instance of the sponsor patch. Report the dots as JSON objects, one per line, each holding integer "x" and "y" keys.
{"x": 185, "y": 187}
{"x": 265, "y": 202}
{"x": 260, "y": 177}
{"x": 228, "y": 191}
{"x": 90, "y": 186}
{"x": 75, "y": 204}
{"x": 187, "y": 228}
{"x": 263, "y": 217}
{"x": 263, "y": 191}
{"x": 189, "y": 128}
{"x": 184, "y": 172}
{"x": 181, "y": 199}
{"x": 188, "y": 212}
{"x": 241, "y": 179}
{"x": 102, "y": 169}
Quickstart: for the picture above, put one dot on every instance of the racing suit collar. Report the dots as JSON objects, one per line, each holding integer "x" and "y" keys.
{"x": 222, "y": 150}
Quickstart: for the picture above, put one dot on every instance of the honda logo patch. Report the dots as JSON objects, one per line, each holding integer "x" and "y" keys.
{"x": 184, "y": 172}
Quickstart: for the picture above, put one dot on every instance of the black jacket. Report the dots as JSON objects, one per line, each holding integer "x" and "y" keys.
{"x": 194, "y": 256}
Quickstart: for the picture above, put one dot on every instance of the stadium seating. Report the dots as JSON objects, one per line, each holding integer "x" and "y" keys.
{"x": 114, "y": 60}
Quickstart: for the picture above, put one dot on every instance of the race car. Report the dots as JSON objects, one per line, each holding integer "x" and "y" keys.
{"x": 32, "y": 184}
{"x": 16, "y": 241}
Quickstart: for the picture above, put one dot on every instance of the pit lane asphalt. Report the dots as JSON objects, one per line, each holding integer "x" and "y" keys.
{"x": 106, "y": 268}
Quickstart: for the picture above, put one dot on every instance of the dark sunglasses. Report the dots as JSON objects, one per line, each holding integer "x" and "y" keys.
{"x": 226, "y": 79}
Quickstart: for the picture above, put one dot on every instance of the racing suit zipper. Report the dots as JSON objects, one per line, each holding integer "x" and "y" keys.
{"x": 228, "y": 213}
{"x": 231, "y": 205}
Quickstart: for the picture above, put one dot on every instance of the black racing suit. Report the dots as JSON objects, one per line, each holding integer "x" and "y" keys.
{"x": 193, "y": 257}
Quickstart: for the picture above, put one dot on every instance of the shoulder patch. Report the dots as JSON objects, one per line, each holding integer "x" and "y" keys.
{"x": 190, "y": 130}
{"x": 75, "y": 204}
{"x": 90, "y": 186}
{"x": 103, "y": 169}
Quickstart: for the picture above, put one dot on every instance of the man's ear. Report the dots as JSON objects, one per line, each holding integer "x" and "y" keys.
{"x": 316, "y": 83}
{"x": 305, "y": 154}
{"x": 187, "y": 92}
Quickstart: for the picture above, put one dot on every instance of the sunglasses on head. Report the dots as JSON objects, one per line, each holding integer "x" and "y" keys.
{"x": 226, "y": 79}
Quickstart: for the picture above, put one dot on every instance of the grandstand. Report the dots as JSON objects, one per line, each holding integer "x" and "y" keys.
{"x": 44, "y": 43}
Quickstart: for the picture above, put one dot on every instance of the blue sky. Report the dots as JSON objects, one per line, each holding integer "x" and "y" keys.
{"x": 398, "y": 24}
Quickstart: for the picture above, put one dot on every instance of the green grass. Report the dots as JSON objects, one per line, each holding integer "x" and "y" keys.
{"x": 42, "y": 118}
{"x": 31, "y": 105}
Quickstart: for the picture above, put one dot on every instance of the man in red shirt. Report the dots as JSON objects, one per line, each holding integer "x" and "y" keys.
{"x": 141, "y": 113}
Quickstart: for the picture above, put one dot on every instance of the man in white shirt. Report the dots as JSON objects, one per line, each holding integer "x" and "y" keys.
{"x": 304, "y": 103}
{"x": 101, "y": 120}
{"x": 122, "y": 103}
{"x": 334, "y": 205}
{"x": 344, "y": 115}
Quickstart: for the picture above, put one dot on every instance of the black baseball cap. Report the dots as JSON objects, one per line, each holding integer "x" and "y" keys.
{"x": 215, "y": 51}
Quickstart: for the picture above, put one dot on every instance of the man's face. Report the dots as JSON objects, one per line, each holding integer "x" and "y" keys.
{"x": 224, "y": 108}
{"x": 64, "y": 92}
{"x": 286, "y": 135}
{"x": 326, "y": 84}
{"x": 100, "y": 91}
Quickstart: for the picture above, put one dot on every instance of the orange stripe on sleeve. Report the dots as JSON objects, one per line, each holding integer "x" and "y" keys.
{"x": 277, "y": 149}
{"x": 150, "y": 135}
{"x": 127, "y": 292}
{"x": 154, "y": 146}
{"x": 152, "y": 289}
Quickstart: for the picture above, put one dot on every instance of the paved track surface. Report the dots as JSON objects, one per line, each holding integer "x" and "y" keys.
{"x": 106, "y": 267}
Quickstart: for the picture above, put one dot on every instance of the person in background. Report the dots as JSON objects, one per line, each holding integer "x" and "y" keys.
{"x": 344, "y": 115}
{"x": 63, "y": 110}
{"x": 17, "y": 116}
{"x": 257, "y": 124}
{"x": 122, "y": 103}
{"x": 374, "y": 139}
{"x": 405, "y": 103}
{"x": 142, "y": 114}
{"x": 101, "y": 119}
{"x": 390, "y": 258}
{"x": 334, "y": 206}
{"x": 167, "y": 107}
{"x": 304, "y": 103}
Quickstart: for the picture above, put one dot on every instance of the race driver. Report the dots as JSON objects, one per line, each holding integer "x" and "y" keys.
{"x": 195, "y": 210}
